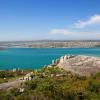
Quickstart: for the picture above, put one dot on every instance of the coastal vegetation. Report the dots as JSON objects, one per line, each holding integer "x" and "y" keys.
{"x": 53, "y": 83}
{"x": 9, "y": 75}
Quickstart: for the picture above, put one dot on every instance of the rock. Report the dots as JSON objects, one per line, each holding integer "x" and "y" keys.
{"x": 83, "y": 65}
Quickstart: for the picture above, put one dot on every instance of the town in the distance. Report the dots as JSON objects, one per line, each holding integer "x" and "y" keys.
{"x": 51, "y": 44}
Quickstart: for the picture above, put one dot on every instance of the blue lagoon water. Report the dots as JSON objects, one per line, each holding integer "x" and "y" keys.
{"x": 34, "y": 58}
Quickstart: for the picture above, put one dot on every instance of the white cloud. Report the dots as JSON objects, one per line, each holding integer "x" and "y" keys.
{"x": 91, "y": 21}
{"x": 71, "y": 33}
{"x": 77, "y": 33}
{"x": 60, "y": 31}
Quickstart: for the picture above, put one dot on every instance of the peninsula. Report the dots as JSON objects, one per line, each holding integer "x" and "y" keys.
{"x": 64, "y": 79}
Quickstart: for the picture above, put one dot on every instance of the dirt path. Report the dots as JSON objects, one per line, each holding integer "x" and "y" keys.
{"x": 7, "y": 85}
{"x": 14, "y": 83}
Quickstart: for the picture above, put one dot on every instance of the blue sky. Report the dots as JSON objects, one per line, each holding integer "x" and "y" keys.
{"x": 49, "y": 19}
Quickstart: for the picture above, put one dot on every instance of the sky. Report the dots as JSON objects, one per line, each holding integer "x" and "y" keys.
{"x": 49, "y": 19}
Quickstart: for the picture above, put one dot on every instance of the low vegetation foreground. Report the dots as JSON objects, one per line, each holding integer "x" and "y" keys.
{"x": 53, "y": 83}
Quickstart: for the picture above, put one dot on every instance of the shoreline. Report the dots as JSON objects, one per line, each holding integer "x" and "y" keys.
{"x": 61, "y": 62}
{"x": 65, "y": 63}
{"x": 24, "y": 69}
{"x": 49, "y": 47}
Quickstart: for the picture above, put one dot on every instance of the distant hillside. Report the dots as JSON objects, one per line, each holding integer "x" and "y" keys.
{"x": 52, "y": 44}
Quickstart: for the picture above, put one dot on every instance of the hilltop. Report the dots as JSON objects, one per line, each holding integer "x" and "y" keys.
{"x": 80, "y": 64}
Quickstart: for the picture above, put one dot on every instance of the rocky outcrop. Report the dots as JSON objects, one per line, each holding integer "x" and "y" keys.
{"x": 83, "y": 65}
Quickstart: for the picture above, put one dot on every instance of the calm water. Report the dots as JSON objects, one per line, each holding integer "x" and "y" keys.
{"x": 32, "y": 58}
